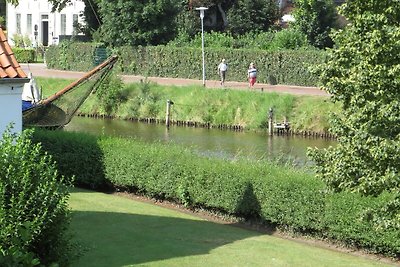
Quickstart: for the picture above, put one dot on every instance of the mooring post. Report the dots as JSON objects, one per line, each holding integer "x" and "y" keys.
{"x": 169, "y": 103}
{"x": 270, "y": 119}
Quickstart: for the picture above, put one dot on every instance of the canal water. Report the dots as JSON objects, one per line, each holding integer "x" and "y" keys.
{"x": 208, "y": 142}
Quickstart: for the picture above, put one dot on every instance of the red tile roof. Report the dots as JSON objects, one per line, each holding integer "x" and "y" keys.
{"x": 9, "y": 67}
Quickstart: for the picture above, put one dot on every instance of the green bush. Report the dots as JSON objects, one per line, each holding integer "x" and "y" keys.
{"x": 211, "y": 39}
{"x": 349, "y": 217}
{"x": 254, "y": 41}
{"x": 34, "y": 212}
{"x": 272, "y": 41}
{"x": 289, "y": 39}
{"x": 24, "y": 55}
{"x": 293, "y": 199}
{"x": 110, "y": 94}
{"x": 75, "y": 155}
{"x": 71, "y": 56}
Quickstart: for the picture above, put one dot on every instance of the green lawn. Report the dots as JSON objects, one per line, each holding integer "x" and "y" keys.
{"x": 116, "y": 231}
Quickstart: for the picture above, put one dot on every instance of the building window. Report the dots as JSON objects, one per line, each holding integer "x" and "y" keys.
{"x": 29, "y": 23}
{"x": 19, "y": 23}
{"x": 63, "y": 24}
{"x": 75, "y": 23}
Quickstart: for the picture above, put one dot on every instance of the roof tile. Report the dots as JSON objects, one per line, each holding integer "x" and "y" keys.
{"x": 9, "y": 67}
{"x": 3, "y": 74}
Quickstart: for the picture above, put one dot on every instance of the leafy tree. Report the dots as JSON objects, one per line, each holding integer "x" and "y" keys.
{"x": 252, "y": 15}
{"x": 127, "y": 22}
{"x": 363, "y": 74}
{"x": 315, "y": 18}
{"x": 187, "y": 21}
{"x": 92, "y": 17}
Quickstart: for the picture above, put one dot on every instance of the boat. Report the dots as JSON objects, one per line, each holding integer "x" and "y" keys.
{"x": 57, "y": 110}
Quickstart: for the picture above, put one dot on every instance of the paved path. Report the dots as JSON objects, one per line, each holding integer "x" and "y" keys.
{"x": 40, "y": 70}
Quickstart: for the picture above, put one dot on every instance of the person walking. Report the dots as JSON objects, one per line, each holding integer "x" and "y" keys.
{"x": 252, "y": 74}
{"x": 222, "y": 68}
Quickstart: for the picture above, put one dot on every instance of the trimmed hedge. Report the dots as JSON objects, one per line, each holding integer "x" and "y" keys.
{"x": 75, "y": 155}
{"x": 24, "y": 55}
{"x": 288, "y": 198}
{"x": 289, "y": 67}
{"x": 283, "y": 67}
{"x": 71, "y": 56}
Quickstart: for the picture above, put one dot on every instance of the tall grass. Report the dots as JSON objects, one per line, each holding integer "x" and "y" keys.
{"x": 50, "y": 86}
{"x": 248, "y": 109}
{"x": 312, "y": 113}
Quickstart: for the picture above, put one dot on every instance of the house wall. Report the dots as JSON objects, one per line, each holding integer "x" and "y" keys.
{"x": 10, "y": 103}
{"x": 49, "y": 25}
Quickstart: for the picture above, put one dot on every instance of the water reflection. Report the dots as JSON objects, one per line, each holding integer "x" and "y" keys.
{"x": 209, "y": 142}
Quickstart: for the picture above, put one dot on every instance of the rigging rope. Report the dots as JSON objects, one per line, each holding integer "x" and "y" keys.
{"x": 58, "y": 109}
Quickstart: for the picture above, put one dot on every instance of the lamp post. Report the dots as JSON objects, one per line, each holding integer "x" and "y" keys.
{"x": 202, "y": 9}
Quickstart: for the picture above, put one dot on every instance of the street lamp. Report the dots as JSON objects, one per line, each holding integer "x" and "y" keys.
{"x": 202, "y": 9}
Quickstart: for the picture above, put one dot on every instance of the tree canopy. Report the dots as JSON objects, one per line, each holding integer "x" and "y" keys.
{"x": 127, "y": 22}
{"x": 363, "y": 74}
{"x": 316, "y": 18}
{"x": 252, "y": 16}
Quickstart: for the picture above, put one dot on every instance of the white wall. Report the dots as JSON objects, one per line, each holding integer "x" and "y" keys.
{"x": 40, "y": 9}
{"x": 10, "y": 106}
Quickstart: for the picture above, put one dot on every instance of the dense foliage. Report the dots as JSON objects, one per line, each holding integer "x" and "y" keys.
{"x": 127, "y": 22}
{"x": 316, "y": 19}
{"x": 362, "y": 73}
{"x": 252, "y": 16}
{"x": 109, "y": 94}
{"x": 34, "y": 213}
{"x": 92, "y": 18}
{"x": 284, "y": 197}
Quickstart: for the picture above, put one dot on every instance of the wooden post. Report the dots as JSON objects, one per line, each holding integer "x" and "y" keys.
{"x": 169, "y": 103}
{"x": 270, "y": 119}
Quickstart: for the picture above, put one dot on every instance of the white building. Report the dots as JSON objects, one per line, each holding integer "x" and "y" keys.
{"x": 12, "y": 80}
{"x": 34, "y": 19}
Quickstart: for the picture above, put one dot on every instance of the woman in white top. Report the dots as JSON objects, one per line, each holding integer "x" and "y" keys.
{"x": 252, "y": 74}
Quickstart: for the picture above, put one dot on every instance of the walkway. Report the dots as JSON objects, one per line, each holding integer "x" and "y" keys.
{"x": 40, "y": 70}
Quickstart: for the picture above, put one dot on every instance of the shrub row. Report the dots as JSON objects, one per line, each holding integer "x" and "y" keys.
{"x": 283, "y": 67}
{"x": 24, "y": 55}
{"x": 71, "y": 56}
{"x": 285, "y": 197}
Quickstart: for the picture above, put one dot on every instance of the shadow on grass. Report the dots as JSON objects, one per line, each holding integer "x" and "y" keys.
{"x": 118, "y": 239}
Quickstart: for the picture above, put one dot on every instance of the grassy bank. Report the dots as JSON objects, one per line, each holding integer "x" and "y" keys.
{"x": 141, "y": 234}
{"x": 248, "y": 109}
